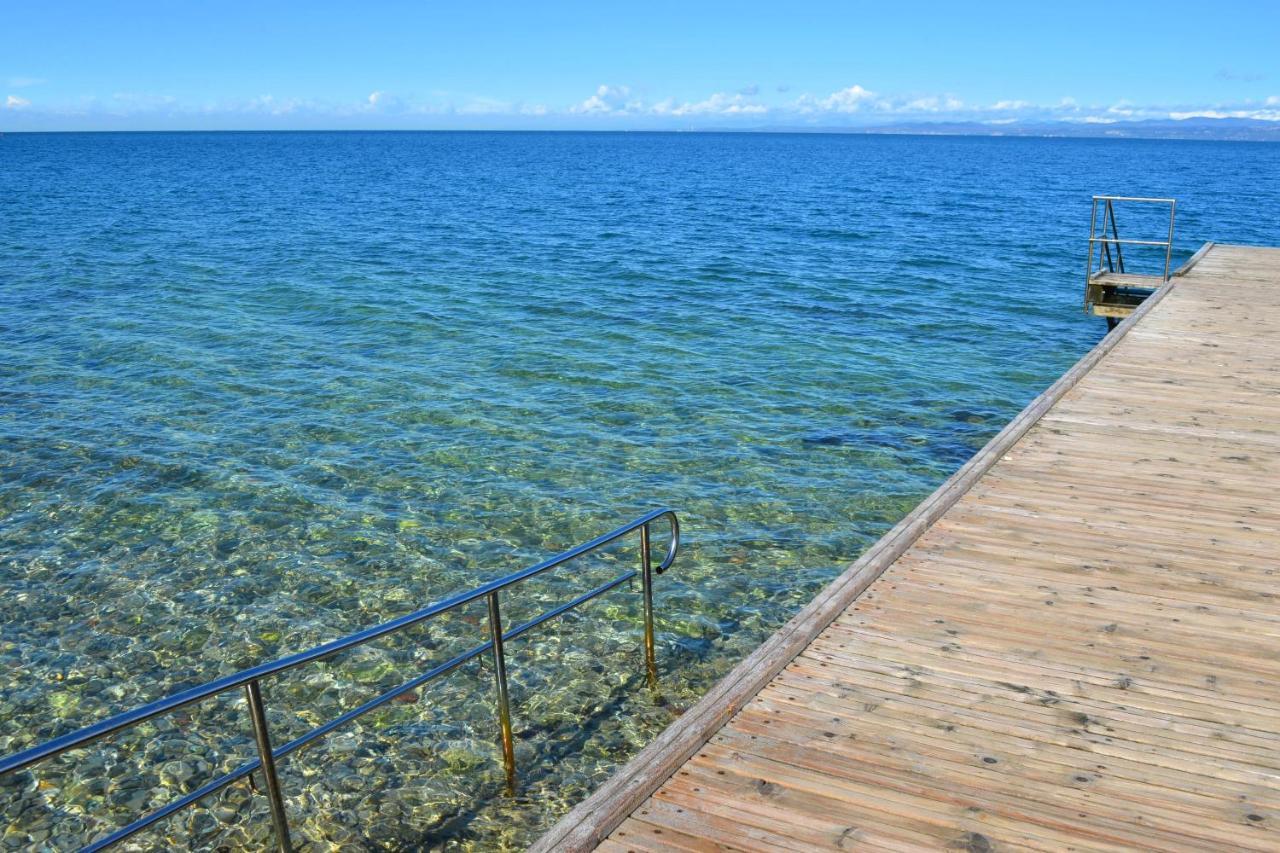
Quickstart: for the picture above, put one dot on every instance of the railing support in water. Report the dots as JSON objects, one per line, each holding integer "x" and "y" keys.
{"x": 250, "y": 678}
{"x": 265, "y": 754}
{"x": 504, "y": 698}
{"x": 646, "y": 585}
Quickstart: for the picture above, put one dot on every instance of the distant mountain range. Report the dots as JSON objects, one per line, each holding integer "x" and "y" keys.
{"x": 1233, "y": 129}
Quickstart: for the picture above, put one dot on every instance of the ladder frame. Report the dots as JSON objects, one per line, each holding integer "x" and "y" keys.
{"x": 1102, "y": 243}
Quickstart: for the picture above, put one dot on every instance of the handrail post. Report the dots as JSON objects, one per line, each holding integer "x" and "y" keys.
{"x": 250, "y": 680}
{"x": 265, "y": 755}
{"x": 504, "y": 698}
{"x": 1106, "y": 244}
{"x": 1088, "y": 264}
{"x": 646, "y": 588}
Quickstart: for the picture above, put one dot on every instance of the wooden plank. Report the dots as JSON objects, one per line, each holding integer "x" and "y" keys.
{"x": 1127, "y": 279}
{"x": 1103, "y": 309}
{"x": 1073, "y": 644}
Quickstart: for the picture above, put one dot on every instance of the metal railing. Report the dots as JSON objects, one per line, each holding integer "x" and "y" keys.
{"x": 249, "y": 680}
{"x": 1102, "y": 244}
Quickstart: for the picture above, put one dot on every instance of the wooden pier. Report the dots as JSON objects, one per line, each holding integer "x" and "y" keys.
{"x": 1074, "y": 644}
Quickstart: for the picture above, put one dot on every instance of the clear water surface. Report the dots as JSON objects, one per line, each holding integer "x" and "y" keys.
{"x": 261, "y": 390}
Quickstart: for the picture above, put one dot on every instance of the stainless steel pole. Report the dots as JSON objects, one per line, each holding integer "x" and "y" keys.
{"x": 504, "y": 698}
{"x": 1088, "y": 264}
{"x": 646, "y": 585}
{"x": 265, "y": 755}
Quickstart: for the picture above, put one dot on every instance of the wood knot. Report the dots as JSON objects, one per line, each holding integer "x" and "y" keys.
{"x": 973, "y": 842}
{"x": 766, "y": 788}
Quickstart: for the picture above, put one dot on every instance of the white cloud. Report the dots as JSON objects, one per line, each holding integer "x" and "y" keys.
{"x": 855, "y": 99}
{"x": 846, "y": 100}
{"x": 718, "y": 104}
{"x": 852, "y": 106}
{"x": 607, "y": 99}
{"x": 382, "y": 102}
{"x": 1257, "y": 115}
{"x": 931, "y": 104}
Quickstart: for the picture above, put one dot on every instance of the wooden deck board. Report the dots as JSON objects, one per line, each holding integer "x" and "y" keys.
{"x": 1120, "y": 279}
{"x": 1081, "y": 650}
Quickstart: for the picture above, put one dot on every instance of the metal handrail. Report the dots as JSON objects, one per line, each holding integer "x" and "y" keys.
{"x": 1117, "y": 240}
{"x": 1134, "y": 198}
{"x": 1110, "y": 238}
{"x": 249, "y": 679}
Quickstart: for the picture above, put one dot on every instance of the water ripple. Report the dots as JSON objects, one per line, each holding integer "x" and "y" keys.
{"x": 260, "y": 390}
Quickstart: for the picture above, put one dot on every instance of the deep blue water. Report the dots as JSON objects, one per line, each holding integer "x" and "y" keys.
{"x": 260, "y": 390}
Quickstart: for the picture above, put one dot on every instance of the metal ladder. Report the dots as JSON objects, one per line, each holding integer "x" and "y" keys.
{"x": 249, "y": 680}
{"x": 1110, "y": 290}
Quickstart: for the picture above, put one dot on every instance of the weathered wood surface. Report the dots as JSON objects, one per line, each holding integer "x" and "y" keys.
{"x": 1115, "y": 305}
{"x": 1127, "y": 279}
{"x": 1073, "y": 644}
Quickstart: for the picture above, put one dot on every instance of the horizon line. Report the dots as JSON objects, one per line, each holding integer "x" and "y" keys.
{"x": 1131, "y": 130}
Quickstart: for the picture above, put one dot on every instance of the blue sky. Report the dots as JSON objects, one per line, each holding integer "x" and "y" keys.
{"x": 174, "y": 65}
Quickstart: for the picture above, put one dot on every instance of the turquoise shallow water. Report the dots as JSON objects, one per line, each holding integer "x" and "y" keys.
{"x": 261, "y": 390}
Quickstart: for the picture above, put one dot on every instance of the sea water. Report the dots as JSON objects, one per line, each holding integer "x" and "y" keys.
{"x": 261, "y": 390}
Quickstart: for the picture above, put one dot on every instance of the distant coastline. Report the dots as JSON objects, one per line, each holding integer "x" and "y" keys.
{"x": 1206, "y": 129}
{"x": 1220, "y": 129}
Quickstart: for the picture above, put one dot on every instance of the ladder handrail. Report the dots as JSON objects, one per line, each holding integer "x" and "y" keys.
{"x": 250, "y": 678}
{"x": 1128, "y": 242}
{"x": 1134, "y": 198}
{"x": 1110, "y": 237}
